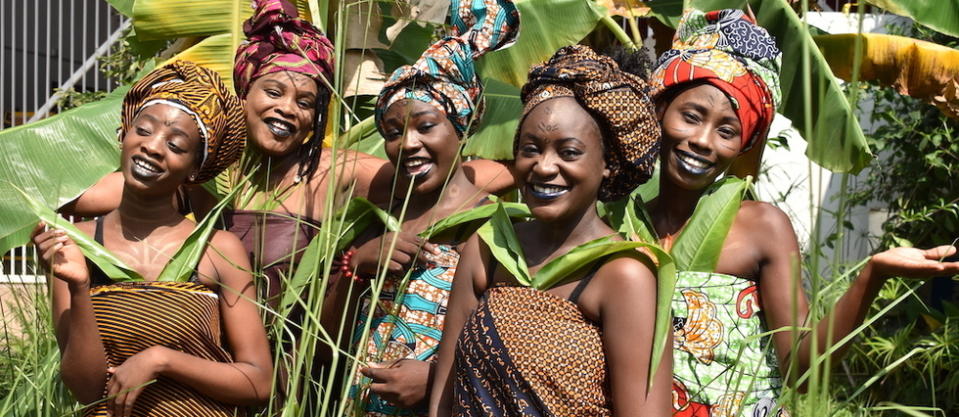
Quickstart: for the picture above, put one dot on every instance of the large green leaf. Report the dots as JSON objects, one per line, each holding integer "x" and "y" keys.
{"x": 698, "y": 246}
{"x": 939, "y": 15}
{"x": 171, "y": 19}
{"x": 54, "y": 160}
{"x": 494, "y": 139}
{"x": 513, "y": 210}
{"x": 835, "y": 139}
{"x": 503, "y": 244}
{"x": 112, "y": 266}
{"x": 546, "y": 25}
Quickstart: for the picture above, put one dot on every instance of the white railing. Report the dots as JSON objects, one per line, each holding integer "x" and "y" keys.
{"x": 49, "y": 44}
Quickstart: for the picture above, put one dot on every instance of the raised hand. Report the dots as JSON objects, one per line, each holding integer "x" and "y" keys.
{"x": 409, "y": 248}
{"x": 402, "y": 383}
{"x": 914, "y": 262}
{"x": 60, "y": 255}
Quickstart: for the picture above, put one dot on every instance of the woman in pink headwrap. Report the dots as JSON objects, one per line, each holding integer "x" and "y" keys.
{"x": 716, "y": 93}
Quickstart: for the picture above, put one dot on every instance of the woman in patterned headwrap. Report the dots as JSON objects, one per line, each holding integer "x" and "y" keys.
{"x": 716, "y": 92}
{"x": 200, "y": 338}
{"x": 581, "y": 347}
{"x": 425, "y": 113}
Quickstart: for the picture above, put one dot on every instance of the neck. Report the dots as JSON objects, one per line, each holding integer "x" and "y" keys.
{"x": 141, "y": 214}
{"x": 275, "y": 169}
{"x": 454, "y": 191}
{"x": 673, "y": 207}
{"x": 572, "y": 231}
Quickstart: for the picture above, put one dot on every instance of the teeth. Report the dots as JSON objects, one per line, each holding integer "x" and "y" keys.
{"x": 145, "y": 165}
{"x": 279, "y": 128}
{"x": 549, "y": 190}
{"x": 693, "y": 162}
{"x": 413, "y": 163}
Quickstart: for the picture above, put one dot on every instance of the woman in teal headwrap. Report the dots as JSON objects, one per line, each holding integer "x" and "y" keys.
{"x": 425, "y": 112}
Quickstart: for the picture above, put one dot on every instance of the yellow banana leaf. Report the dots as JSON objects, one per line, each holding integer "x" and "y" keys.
{"x": 625, "y": 8}
{"x": 916, "y": 68}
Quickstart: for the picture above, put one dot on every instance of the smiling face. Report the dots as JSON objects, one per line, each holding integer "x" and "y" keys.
{"x": 559, "y": 163}
{"x": 280, "y": 111}
{"x": 701, "y": 136}
{"x": 422, "y": 143}
{"x": 161, "y": 149}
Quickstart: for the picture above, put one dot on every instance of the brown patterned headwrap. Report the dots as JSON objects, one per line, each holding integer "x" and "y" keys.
{"x": 200, "y": 93}
{"x": 619, "y": 102}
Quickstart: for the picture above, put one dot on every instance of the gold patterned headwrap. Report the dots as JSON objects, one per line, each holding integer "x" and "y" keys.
{"x": 200, "y": 93}
{"x": 619, "y": 102}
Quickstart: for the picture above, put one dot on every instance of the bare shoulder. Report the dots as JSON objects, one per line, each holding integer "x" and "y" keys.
{"x": 87, "y": 227}
{"x": 627, "y": 272}
{"x": 227, "y": 247}
{"x": 760, "y": 215}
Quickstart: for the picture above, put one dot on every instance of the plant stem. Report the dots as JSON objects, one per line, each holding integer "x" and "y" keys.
{"x": 618, "y": 32}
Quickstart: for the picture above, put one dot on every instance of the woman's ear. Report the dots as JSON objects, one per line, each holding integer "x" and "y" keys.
{"x": 660, "y": 110}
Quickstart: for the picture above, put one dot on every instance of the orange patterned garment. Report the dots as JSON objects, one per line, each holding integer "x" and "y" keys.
{"x": 526, "y": 352}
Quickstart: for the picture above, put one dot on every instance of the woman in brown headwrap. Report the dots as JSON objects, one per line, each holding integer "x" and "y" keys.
{"x": 200, "y": 337}
{"x": 581, "y": 347}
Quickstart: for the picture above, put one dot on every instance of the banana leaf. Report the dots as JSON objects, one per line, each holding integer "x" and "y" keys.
{"x": 54, "y": 160}
{"x": 503, "y": 244}
{"x": 484, "y": 212}
{"x": 939, "y": 15}
{"x": 124, "y": 7}
{"x": 112, "y": 266}
{"x": 835, "y": 139}
{"x": 698, "y": 246}
{"x": 916, "y": 68}
{"x": 546, "y": 25}
{"x": 494, "y": 139}
{"x": 171, "y": 19}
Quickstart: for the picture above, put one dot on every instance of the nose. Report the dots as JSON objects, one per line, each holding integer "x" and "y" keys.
{"x": 546, "y": 167}
{"x": 411, "y": 141}
{"x": 152, "y": 145}
{"x": 284, "y": 107}
{"x": 700, "y": 139}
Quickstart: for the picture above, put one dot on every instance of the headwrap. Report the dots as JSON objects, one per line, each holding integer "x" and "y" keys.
{"x": 277, "y": 40}
{"x": 726, "y": 49}
{"x": 618, "y": 100}
{"x": 444, "y": 76}
{"x": 202, "y": 94}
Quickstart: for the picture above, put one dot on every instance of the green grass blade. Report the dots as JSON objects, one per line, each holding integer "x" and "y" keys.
{"x": 112, "y": 266}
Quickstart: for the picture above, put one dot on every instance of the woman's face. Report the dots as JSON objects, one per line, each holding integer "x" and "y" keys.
{"x": 559, "y": 163}
{"x": 422, "y": 143}
{"x": 280, "y": 111}
{"x": 161, "y": 149}
{"x": 701, "y": 136}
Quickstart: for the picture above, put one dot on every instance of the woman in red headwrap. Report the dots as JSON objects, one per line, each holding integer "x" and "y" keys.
{"x": 716, "y": 93}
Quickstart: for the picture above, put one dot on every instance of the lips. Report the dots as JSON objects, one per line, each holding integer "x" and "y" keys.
{"x": 417, "y": 167}
{"x": 691, "y": 163}
{"x": 143, "y": 169}
{"x": 279, "y": 127}
{"x": 544, "y": 191}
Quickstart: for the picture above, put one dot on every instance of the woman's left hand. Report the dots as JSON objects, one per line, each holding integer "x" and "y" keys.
{"x": 130, "y": 378}
{"x": 403, "y": 383}
{"x": 915, "y": 262}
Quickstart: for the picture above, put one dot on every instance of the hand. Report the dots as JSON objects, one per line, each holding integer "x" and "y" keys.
{"x": 408, "y": 249}
{"x": 61, "y": 256}
{"x": 402, "y": 383}
{"x": 914, "y": 262}
{"x": 130, "y": 378}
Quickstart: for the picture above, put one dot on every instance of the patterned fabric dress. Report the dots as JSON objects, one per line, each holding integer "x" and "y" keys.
{"x": 407, "y": 328}
{"x": 526, "y": 352}
{"x": 184, "y": 316}
{"x": 721, "y": 367}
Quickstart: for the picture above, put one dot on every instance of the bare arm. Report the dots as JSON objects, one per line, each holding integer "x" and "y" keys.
{"x": 627, "y": 310}
{"x": 490, "y": 176}
{"x": 785, "y": 303}
{"x": 102, "y": 198}
{"x": 83, "y": 365}
{"x": 470, "y": 276}
{"x": 247, "y": 380}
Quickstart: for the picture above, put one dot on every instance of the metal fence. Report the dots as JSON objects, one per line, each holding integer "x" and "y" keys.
{"x": 49, "y": 45}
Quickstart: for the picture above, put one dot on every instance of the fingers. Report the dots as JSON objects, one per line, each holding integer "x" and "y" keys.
{"x": 939, "y": 252}
{"x": 112, "y": 388}
{"x": 37, "y": 230}
{"x": 376, "y": 373}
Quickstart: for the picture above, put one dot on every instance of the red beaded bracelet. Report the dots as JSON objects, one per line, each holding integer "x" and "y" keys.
{"x": 343, "y": 265}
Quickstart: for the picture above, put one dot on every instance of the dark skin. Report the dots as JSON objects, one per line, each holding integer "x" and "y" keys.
{"x": 700, "y": 125}
{"x": 560, "y": 149}
{"x": 144, "y": 232}
{"x": 424, "y": 145}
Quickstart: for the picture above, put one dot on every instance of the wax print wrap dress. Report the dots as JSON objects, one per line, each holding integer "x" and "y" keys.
{"x": 183, "y": 316}
{"x": 526, "y": 352}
